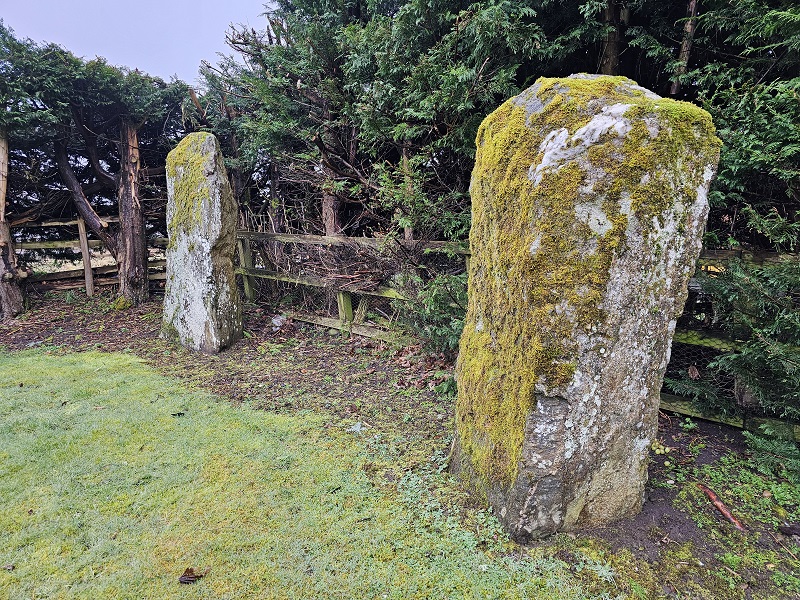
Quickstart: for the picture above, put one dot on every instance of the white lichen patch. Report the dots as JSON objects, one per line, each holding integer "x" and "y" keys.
{"x": 610, "y": 120}
{"x": 559, "y": 147}
{"x": 594, "y": 217}
{"x": 535, "y": 244}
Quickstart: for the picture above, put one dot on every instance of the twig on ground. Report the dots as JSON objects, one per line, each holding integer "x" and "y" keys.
{"x": 721, "y": 507}
{"x": 782, "y": 545}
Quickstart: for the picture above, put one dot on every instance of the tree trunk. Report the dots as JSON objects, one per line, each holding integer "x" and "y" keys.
{"x": 82, "y": 205}
{"x": 132, "y": 242}
{"x": 408, "y": 230}
{"x": 609, "y": 60}
{"x": 686, "y": 46}
{"x": 330, "y": 201}
{"x": 10, "y": 292}
{"x": 3, "y": 172}
{"x": 330, "y": 213}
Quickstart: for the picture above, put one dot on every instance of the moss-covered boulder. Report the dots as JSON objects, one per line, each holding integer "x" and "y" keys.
{"x": 588, "y": 206}
{"x": 201, "y": 302}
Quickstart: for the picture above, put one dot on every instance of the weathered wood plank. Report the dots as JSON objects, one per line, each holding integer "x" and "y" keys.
{"x": 246, "y": 261}
{"x": 57, "y": 223}
{"x": 71, "y": 284}
{"x": 708, "y": 257}
{"x": 383, "y": 292}
{"x": 716, "y": 257}
{"x": 56, "y": 244}
{"x": 698, "y": 338}
{"x": 344, "y": 302}
{"x": 88, "y": 277}
{"x": 784, "y": 429}
{"x": 362, "y": 330}
{"x": 682, "y": 406}
{"x": 330, "y": 240}
{"x": 76, "y": 273}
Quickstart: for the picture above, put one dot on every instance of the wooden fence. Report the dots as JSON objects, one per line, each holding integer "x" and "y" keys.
{"x": 83, "y": 244}
{"x": 344, "y": 297}
{"x": 345, "y": 321}
{"x": 248, "y": 272}
{"x": 344, "y": 300}
{"x": 346, "y": 317}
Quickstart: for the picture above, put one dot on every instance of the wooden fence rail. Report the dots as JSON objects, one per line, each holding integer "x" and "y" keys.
{"x": 373, "y": 242}
{"x": 344, "y": 292}
{"x": 344, "y": 299}
{"x": 83, "y": 244}
{"x": 346, "y": 321}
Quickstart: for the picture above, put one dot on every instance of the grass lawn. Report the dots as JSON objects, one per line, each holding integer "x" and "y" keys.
{"x": 318, "y": 470}
{"x": 114, "y": 479}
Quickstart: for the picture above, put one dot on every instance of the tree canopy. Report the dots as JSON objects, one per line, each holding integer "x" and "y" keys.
{"x": 361, "y": 116}
{"x": 89, "y": 137}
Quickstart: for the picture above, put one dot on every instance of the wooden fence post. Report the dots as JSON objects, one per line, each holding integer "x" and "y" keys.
{"x": 87, "y": 259}
{"x": 246, "y": 260}
{"x": 345, "y": 303}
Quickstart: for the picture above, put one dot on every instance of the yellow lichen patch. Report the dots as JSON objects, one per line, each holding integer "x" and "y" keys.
{"x": 187, "y": 168}
{"x": 539, "y": 273}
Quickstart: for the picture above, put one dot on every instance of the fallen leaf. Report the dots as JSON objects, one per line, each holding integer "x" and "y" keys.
{"x": 191, "y": 576}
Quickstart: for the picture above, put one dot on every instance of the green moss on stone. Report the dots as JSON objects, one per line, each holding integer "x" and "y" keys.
{"x": 543, "y": 286}
{"x": 188, "y": 167}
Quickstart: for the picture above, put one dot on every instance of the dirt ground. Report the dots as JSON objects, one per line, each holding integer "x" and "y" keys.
{"x": 371, "y": 384}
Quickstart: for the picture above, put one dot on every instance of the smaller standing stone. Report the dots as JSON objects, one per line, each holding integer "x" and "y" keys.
{"x": 201, "y": 302}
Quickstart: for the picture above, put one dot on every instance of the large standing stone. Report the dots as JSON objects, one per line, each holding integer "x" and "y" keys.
{"x": 201, "y": 301}
{"x": 588, "y": 205}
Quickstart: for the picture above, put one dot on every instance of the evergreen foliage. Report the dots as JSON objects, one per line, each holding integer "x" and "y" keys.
{"x": 359, "y": 117}
{"x": 774, "y": 457}
{"x": 438, "y": 311}
{"x": 51, "y": 97}
{"x": 760, "y": 307}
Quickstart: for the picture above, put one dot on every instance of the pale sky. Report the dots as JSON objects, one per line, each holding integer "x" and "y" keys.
{"x": 162, "y": 38}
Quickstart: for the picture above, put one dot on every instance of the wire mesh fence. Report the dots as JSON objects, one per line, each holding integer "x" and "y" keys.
{"x": 701, "y": 338}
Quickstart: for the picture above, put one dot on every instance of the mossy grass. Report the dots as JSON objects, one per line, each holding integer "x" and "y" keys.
{"x": 763, "y": 498}
{"x": 114, "y": 479}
